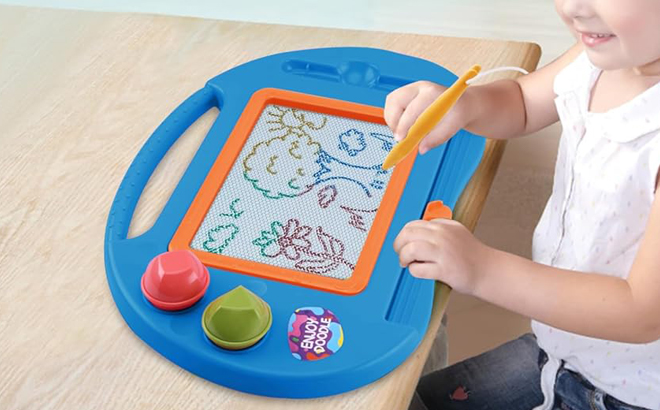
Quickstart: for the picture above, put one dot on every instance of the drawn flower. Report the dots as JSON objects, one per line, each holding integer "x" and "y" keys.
{"x": 288, "y": 240}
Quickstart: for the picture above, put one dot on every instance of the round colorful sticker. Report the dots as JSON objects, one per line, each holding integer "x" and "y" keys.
{"x": 314, "y": 333}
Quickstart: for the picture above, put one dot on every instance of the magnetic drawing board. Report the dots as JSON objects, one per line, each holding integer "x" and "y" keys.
{"x": 311, "y": 236}
{"x": 299, "y": 198}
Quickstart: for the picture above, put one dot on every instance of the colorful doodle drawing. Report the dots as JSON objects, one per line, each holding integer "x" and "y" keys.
{"x": 357, "y": 217}
{"x": 293, "y": 121}
{"x": 220, "y": 237}
{"x": 352, "y": 141}
{"x": 335, "y": 169}
{"x": 291, "y": 164}
{"x": 387, "y": 141}
{"x": 232, "y": 208}
{"x": 292, "y": 242}
{"x": 327, "y": 195}
{"x": 282, "y": 167}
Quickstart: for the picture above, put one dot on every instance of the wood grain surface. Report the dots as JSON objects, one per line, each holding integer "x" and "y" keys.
{"x": 80, "y": 92}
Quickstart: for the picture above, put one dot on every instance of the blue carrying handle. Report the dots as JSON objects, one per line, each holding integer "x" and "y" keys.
{"x": 150, "y": 155}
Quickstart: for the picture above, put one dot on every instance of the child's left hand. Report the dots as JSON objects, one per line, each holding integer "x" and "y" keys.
{"x": 442, "y": 250}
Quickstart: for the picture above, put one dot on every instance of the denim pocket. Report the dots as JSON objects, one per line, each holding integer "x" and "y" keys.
{"x": 612, "y": 403}
{"x": 574, "y": 392}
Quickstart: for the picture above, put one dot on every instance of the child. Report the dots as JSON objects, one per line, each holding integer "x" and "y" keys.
{"x": 593, "y": 289}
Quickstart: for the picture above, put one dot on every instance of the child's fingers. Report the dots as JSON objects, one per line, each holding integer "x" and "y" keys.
{"x": 414, "y": 230}
{"x": 396, "y": 102}
{"x": 417, "y": 223}
{"x": 416, "y": 251}
{"x": 441, "y": 133}
{"x": 423, "y": 270}
{"x": 411, "y": 113}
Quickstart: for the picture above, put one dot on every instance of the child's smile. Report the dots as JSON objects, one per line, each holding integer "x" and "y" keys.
{"x": 595, "y": 39}
{"x": 616, "y": 34}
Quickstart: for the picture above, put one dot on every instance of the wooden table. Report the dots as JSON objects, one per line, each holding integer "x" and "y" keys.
{"x": 80, "y": 92}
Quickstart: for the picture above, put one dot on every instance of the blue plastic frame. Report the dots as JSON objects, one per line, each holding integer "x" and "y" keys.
{"x": 382, "y": 325}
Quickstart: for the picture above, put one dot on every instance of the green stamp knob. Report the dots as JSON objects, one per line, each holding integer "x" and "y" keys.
{"x": 237, "y": 320}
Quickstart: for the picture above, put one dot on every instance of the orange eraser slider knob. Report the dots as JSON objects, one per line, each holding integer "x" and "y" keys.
{"x": 436, "y": 210}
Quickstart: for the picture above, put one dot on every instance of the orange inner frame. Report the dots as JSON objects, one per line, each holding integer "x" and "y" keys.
{"x": 230, "y": 152}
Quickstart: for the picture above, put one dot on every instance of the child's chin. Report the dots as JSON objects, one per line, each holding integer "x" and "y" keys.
{"x": 606, "y": 62}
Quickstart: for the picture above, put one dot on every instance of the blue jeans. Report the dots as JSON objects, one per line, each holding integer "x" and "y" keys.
{"x": 508, "y": 378}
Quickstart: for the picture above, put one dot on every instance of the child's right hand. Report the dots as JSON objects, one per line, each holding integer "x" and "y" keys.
{"x": 405, "y": 104}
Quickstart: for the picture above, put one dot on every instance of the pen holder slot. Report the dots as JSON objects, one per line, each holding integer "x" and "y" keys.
{"x": 356, "y": 73}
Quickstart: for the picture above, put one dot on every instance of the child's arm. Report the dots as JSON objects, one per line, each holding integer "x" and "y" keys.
{"x": 589, "y": 304}
{"x": 502, "y": 109}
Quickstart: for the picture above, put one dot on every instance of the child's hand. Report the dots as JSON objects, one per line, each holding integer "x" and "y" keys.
{"x": 443, "y": 250}
{"x": 405, "y": 104}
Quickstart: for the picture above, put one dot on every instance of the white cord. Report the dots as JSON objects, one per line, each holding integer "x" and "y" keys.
{"x": 495, "y": 70}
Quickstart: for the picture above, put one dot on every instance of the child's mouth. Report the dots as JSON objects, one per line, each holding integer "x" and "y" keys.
{"x": 595, "y": 39}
